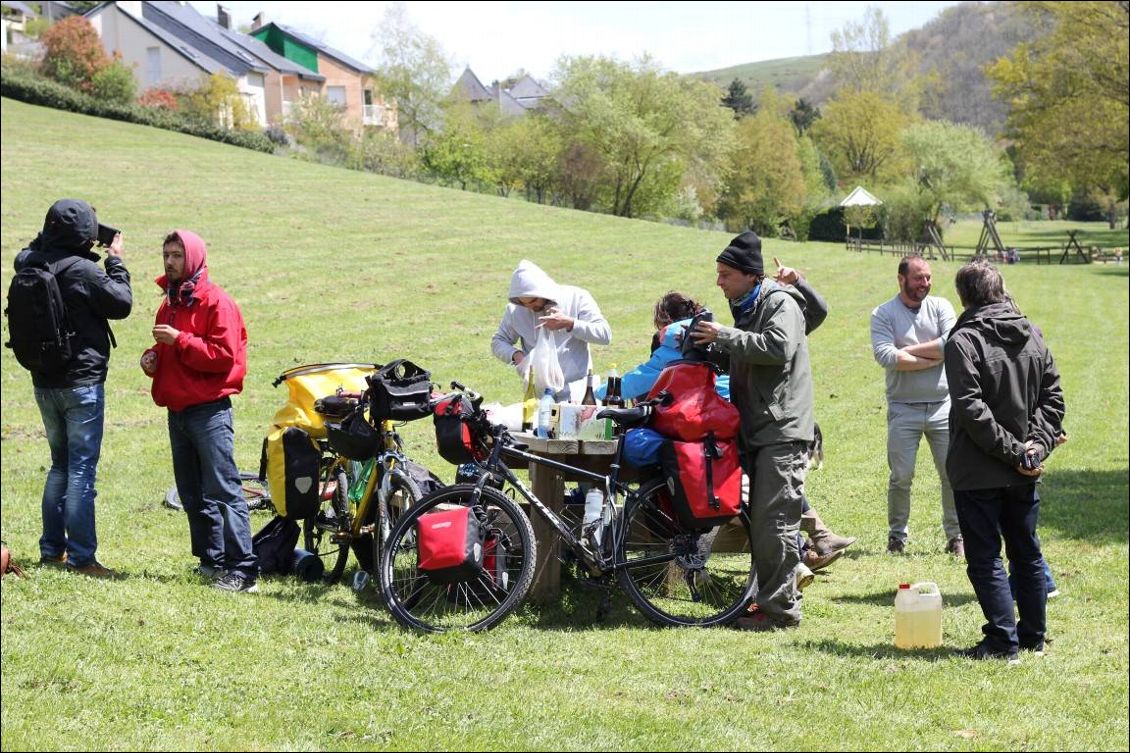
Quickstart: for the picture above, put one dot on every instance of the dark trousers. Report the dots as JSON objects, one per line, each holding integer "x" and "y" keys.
{"x": 987, "y": 515}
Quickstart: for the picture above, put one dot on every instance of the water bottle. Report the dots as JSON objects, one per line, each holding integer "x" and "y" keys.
{"x": 545, "y": 413}
{"x": 590, "y": 524}
{"x": 918, "y": 616}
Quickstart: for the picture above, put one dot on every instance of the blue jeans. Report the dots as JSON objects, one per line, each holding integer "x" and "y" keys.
{"x": 906, "y": 423}
{"x": 986, "y": 516}
{"x": 203, "y": 443}
{"x": 73, "y": 421}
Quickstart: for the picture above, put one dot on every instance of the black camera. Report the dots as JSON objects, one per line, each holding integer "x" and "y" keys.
{"x": 106, "y": 234}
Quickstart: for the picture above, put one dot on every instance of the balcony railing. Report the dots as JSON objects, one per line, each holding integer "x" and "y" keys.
{"x": 373, "y": 115}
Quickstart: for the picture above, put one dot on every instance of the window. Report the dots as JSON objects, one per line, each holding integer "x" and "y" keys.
{"x": 336, "y": 95}
{"x": 153, "y": 65}
{"x": 368, "y": 97}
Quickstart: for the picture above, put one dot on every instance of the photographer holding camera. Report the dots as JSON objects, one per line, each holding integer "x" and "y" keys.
{"x": 58, "y": 306}
{"x": 1005, "y": 417}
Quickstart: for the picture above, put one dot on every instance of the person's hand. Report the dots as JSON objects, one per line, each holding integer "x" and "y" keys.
{"x": 786, "y": 275}
{"x": 165, "y": 334}
{"x": 116, "y": 246}
{"x": 518, "y": 357}
{"x": 705, "y": 333}
{"x": 149, "y": 361}
{"x": 555, "y": 321}
{"x": 1032, "y": 463}
{"x": 1061, "y": 439}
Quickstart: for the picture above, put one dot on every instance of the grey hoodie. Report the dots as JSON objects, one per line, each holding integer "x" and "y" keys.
{"x": 519, "y": 324}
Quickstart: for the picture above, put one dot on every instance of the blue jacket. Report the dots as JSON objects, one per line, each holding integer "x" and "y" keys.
{"x": 638, "y": 381}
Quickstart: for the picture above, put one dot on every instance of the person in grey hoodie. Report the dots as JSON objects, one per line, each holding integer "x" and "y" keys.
{"x": 771, "y": 385}
{"x": 568, "y": 313}
{"x": 1006, "y": 416}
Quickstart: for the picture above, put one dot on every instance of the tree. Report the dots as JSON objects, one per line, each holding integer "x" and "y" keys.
{"x": 317, "y": 126}
{"x": 458, "y": 153}
{"x": 413, "y": 70}
{"x": 1069, "y": 93}
{"x": 863, "y": 59}
{"x": 767, "y": 184}
{"x": 954, "y": 167}
{"x": 73, "y": 53}
{"x": 803, "y": 115}
{"x": 739, "y": 100}
{"x": 219, "y": 102}
{"x": 525, "y": 153}
{"x": 115, "y": 83}
{"x": 859, "y": 132}
{"x": 647, "y": 127}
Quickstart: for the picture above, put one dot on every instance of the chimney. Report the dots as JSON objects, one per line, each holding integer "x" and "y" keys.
{"x": 259, "y": 20}
{"x": 223, "y": 17}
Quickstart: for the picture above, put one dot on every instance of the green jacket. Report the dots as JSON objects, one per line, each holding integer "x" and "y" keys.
{"x": 770, "y": 374}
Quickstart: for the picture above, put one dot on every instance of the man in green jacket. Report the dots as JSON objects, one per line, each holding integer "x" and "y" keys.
{"x": 771, "y": 385}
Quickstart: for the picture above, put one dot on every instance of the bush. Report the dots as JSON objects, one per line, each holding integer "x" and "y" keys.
{"x": 159, "y": 99}
{"x": 73, "y": 53}
{"x": 115, "y": 83}
{"x": 39, "y": 91}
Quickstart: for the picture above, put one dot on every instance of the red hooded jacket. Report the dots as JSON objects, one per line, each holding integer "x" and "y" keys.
{"x": 209, "y": 358}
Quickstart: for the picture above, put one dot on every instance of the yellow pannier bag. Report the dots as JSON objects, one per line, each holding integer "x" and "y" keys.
{"x": 307, "y": 384}
{"x": 291, "y": 457}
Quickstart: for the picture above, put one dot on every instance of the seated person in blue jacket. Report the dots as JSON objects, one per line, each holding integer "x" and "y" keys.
{"x": 673, "y": 313}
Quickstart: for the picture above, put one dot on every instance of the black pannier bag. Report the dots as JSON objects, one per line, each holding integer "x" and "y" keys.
{"x": 455, "y": 440}
{"x": 354, "y": 437}
{"x": 401, "y": 391}
{"x": 450, "y": 545}
{"x": 704, "y": 481}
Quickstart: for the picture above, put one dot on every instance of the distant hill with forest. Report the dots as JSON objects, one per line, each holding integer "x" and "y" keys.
{"x": 951, "y": 50}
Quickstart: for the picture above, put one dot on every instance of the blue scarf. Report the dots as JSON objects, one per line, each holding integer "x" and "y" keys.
{"x": 746, "y": 303}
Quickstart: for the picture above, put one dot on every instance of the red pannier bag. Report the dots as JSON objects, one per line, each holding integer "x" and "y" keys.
{"x": 695, "y": 408}
{"x": 450, "y": 545}
{"x": 704, "y": 480}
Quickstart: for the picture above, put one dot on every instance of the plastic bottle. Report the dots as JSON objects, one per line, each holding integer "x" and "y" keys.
{"x": 530, "y": 402}
{"x": 918, "y": 616}
{"x": 594, "y": 505}
{"x": 545, "y": 413}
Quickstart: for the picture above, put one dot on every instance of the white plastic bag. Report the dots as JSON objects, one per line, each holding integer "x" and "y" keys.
{"x": 543, "y": 360}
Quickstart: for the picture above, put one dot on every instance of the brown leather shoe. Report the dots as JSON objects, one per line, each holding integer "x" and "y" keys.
{"x": 956, "y": 547}
{"x": 94, "y": 570}
{"x": 815, "y": 561}
{"x": 55, "y": 561}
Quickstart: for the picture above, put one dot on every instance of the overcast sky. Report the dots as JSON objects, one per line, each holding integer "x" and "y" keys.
{"x": 497, "y": 38}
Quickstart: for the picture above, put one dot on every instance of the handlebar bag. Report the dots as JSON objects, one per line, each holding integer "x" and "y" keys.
{"x": 450, "y": 545}
{"x": 354, "y": 437}
{"x": 401, "y": 391}
{"x": 704, "y": 481}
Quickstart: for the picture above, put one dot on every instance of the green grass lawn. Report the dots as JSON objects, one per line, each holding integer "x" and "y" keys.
{"x": 330, "y": 264}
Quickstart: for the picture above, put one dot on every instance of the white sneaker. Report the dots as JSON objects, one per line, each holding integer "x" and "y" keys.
{"x": 804, "y": 576}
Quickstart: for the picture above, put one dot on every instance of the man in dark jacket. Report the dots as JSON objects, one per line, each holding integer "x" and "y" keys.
{"x": 1006, "y": 407}
{"x": 198, "y": 361}
{"x": 72, "y": 400}
{"x": 771, "y": 385}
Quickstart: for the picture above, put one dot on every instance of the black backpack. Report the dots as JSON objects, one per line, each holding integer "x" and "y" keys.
{"x": 38, "y": 325}
{"x": 274, "y": 546}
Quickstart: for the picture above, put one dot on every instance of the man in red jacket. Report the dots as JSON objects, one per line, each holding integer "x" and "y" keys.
{"x": 197, "y": 364}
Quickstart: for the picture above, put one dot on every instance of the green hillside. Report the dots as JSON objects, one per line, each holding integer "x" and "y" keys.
{"x": 784, "y": 74}
{"x": 332, "y": 264}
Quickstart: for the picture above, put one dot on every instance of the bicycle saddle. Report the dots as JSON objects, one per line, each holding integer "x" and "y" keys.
{"x": 627, "y": 417}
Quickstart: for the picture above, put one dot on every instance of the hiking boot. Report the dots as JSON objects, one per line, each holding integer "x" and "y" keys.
{"x": 237, "y": 583}
{"x": 815, "y": 561}
{"x": 804, "y": 576}
{"x": 94, "y": 570}
{"x": 53, "y": 561}
{"x": 956, "y": 547}
{"x": 209, "y": 572}
{"x": 1053, "y": 593}
{"x": 984, "y": 650}
{"x": 1036, "y": 648}
{"x": 759, "y": 622}
{"x": 823, "y": 539}
{"x": 895, "y": 545}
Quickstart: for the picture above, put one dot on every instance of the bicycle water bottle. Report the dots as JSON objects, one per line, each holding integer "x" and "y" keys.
{"x": 545, "y": 413}
{"x": 590, "y": 524}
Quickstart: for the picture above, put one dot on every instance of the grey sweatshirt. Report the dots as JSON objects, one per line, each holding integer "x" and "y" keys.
{"x": 894, "y": 326}
{"x": 519, "y": 324}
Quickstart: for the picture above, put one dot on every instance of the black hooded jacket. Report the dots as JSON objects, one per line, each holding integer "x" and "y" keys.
{"x": 1004, "y": 391}
{"x": 91, "y": 295}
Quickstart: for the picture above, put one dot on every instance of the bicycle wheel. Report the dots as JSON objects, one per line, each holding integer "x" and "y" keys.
{"x": 327, "y": 532}
{"x": 479, "y": 604}
{"x": 403, "y": 495}
{"x": 255, "y": 493}
{"x": 674, "y": 577}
